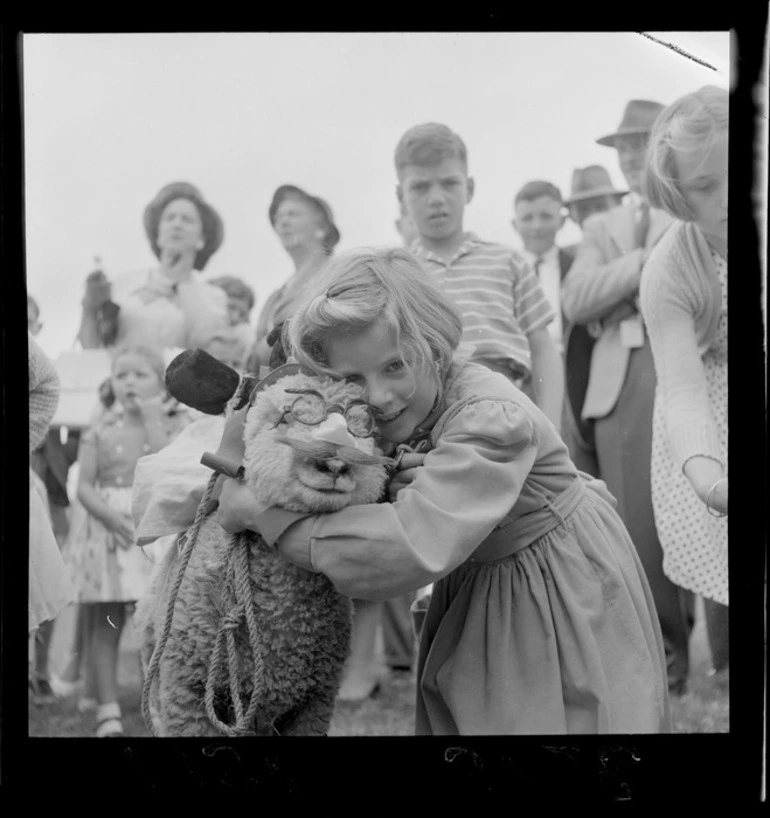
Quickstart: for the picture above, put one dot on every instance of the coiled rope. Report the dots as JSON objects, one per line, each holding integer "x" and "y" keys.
{"x": 237, "y": 595}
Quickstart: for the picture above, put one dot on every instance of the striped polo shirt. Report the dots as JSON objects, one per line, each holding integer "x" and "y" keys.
{"x": 499, "y": 297}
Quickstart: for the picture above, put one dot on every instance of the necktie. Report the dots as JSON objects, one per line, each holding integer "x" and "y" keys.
{"x": 643, "y": 224}
{"x": 538, "y": 265}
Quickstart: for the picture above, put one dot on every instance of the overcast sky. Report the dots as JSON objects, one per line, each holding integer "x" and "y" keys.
{"x": 111, "y": 118}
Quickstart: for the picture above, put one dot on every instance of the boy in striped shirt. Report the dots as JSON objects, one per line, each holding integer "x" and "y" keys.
{"x": 505, "y": 314}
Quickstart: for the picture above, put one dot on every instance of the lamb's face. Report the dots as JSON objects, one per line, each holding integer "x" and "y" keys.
{"x": 296, "y": 465}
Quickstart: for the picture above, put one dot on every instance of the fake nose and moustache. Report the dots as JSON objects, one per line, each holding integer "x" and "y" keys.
{"x": 333, "y": 440}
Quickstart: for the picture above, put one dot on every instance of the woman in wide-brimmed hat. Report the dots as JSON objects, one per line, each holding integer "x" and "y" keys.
{"x": 173, "y": 307}
{"x": 305, "y": 225}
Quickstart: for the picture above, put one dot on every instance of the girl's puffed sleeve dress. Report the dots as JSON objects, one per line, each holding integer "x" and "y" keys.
{"x": 541, "y": 620}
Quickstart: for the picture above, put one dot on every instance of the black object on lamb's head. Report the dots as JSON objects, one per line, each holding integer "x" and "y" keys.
{"x": 201, "y": 382}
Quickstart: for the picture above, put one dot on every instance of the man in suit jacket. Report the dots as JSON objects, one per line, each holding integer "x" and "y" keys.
{"x": 601, "y": 292}
{"x": 592, "y": 192}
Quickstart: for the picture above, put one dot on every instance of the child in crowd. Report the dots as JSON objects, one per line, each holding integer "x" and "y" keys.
{"x": 49, "y": 587}
{"x": 684, "y": 304}
{"x": 505, "y": 314}
{"x": 240, "y": 303}
{"x": 110, "y": 573}
{"x": 227, "y": 345}
{"x": 541, "y": 620}
{"x": 538, "y": 215}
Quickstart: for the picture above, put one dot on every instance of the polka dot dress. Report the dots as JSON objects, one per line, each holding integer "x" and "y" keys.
{"x": 694, "y": 542}
{"x": 102, "y": 570}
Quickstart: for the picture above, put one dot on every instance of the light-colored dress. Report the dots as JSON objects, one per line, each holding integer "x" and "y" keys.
{"x": 49, "y": 586}
{"x": 50, "y": 589}
{"x": 102, "y": 569}
{"x": 694, "y": 542}
{"x": 541, "y": 620}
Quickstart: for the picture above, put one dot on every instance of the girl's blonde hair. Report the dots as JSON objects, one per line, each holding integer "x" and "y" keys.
{"x": 150, "y": 354}
{"x": 690, "y": 125}
{"x": 368, "y": 286}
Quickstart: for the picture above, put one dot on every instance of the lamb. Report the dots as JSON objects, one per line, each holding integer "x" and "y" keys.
{"x": 309, "y": 446}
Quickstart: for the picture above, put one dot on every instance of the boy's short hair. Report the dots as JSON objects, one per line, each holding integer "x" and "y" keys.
{"x": 429, "y": 144}
{"x": 536, "y": 189}
{"x": 235, "y": 288}
{"x": 690, "y": 124}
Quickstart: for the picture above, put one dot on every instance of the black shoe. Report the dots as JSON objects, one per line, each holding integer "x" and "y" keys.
{"x": 41, "y": 690}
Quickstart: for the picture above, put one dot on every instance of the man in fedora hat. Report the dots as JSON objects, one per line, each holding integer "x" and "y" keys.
{"x": 592, "y": 192}
{"x": 601, "y": 292}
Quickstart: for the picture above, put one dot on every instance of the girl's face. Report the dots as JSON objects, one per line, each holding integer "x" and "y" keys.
{"x": 402, "y": 398}
{"x": 180, "y": 228}
{"x": 133, "y": 377}
{"x": 703, "y": 183}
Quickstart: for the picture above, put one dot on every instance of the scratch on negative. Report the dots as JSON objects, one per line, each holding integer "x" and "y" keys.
{"x": 677, "y": 49}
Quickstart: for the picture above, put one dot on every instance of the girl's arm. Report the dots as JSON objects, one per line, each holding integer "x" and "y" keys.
{"x": 547, "y": 375}
{"x": 89, "y": 497}
{"x": 669, "y": 313}
{"x": 465, "y": 487}
{"x": 43, "y": 393}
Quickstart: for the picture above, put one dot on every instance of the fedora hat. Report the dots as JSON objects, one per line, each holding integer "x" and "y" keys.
{"x": 213, "y": 229}
{"x": 590, "y": 183}
{"x": 294, "y": 192}
{"x": 639, "y": 117}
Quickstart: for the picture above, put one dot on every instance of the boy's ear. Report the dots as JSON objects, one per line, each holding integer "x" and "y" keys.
{"x": 399, "y": 193}
{"x": 471, "y": 189}
{"x": 515, "y": 225}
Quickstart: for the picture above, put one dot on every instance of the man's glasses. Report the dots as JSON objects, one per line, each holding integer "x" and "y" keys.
{"x": 310, "y": 409}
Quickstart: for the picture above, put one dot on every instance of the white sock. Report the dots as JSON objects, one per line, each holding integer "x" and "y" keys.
{"x": 111, "y": 710}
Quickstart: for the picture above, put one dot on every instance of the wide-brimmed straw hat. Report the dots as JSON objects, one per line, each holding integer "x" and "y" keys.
{"x": 213, "y": 228}
{"x": 639, "y": 117}
{"x": 591, "y": 183}
{"x": 292, "y": 191}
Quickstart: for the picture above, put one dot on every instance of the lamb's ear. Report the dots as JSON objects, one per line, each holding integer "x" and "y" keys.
{"x": 246, "y": 387}
{"x": 200, "y": 381}
{"x": 275, "y": 341}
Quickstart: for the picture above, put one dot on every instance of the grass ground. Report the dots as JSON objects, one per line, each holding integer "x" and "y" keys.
{"x": 703, "y": 709}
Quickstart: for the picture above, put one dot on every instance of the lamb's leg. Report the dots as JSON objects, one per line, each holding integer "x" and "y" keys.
{"x": 181, "y": 705}
{"x": 313, "y": 716}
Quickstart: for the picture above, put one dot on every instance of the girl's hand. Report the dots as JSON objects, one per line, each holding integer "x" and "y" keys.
{"x": 238, "y": 507}
{"x": 405, "y": 473}
{"x": 151, "y": 409}
{"x": 717, "y": 502}
{"x": 123, "y": 528}
{"x": 176, "y": 265}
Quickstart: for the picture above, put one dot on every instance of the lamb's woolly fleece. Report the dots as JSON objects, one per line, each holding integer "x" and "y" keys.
{"x": 304, "y": 624}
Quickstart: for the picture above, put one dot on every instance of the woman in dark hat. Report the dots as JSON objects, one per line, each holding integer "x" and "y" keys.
{"x": 174, "y": 307}
{"x": 305, "y": 226}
